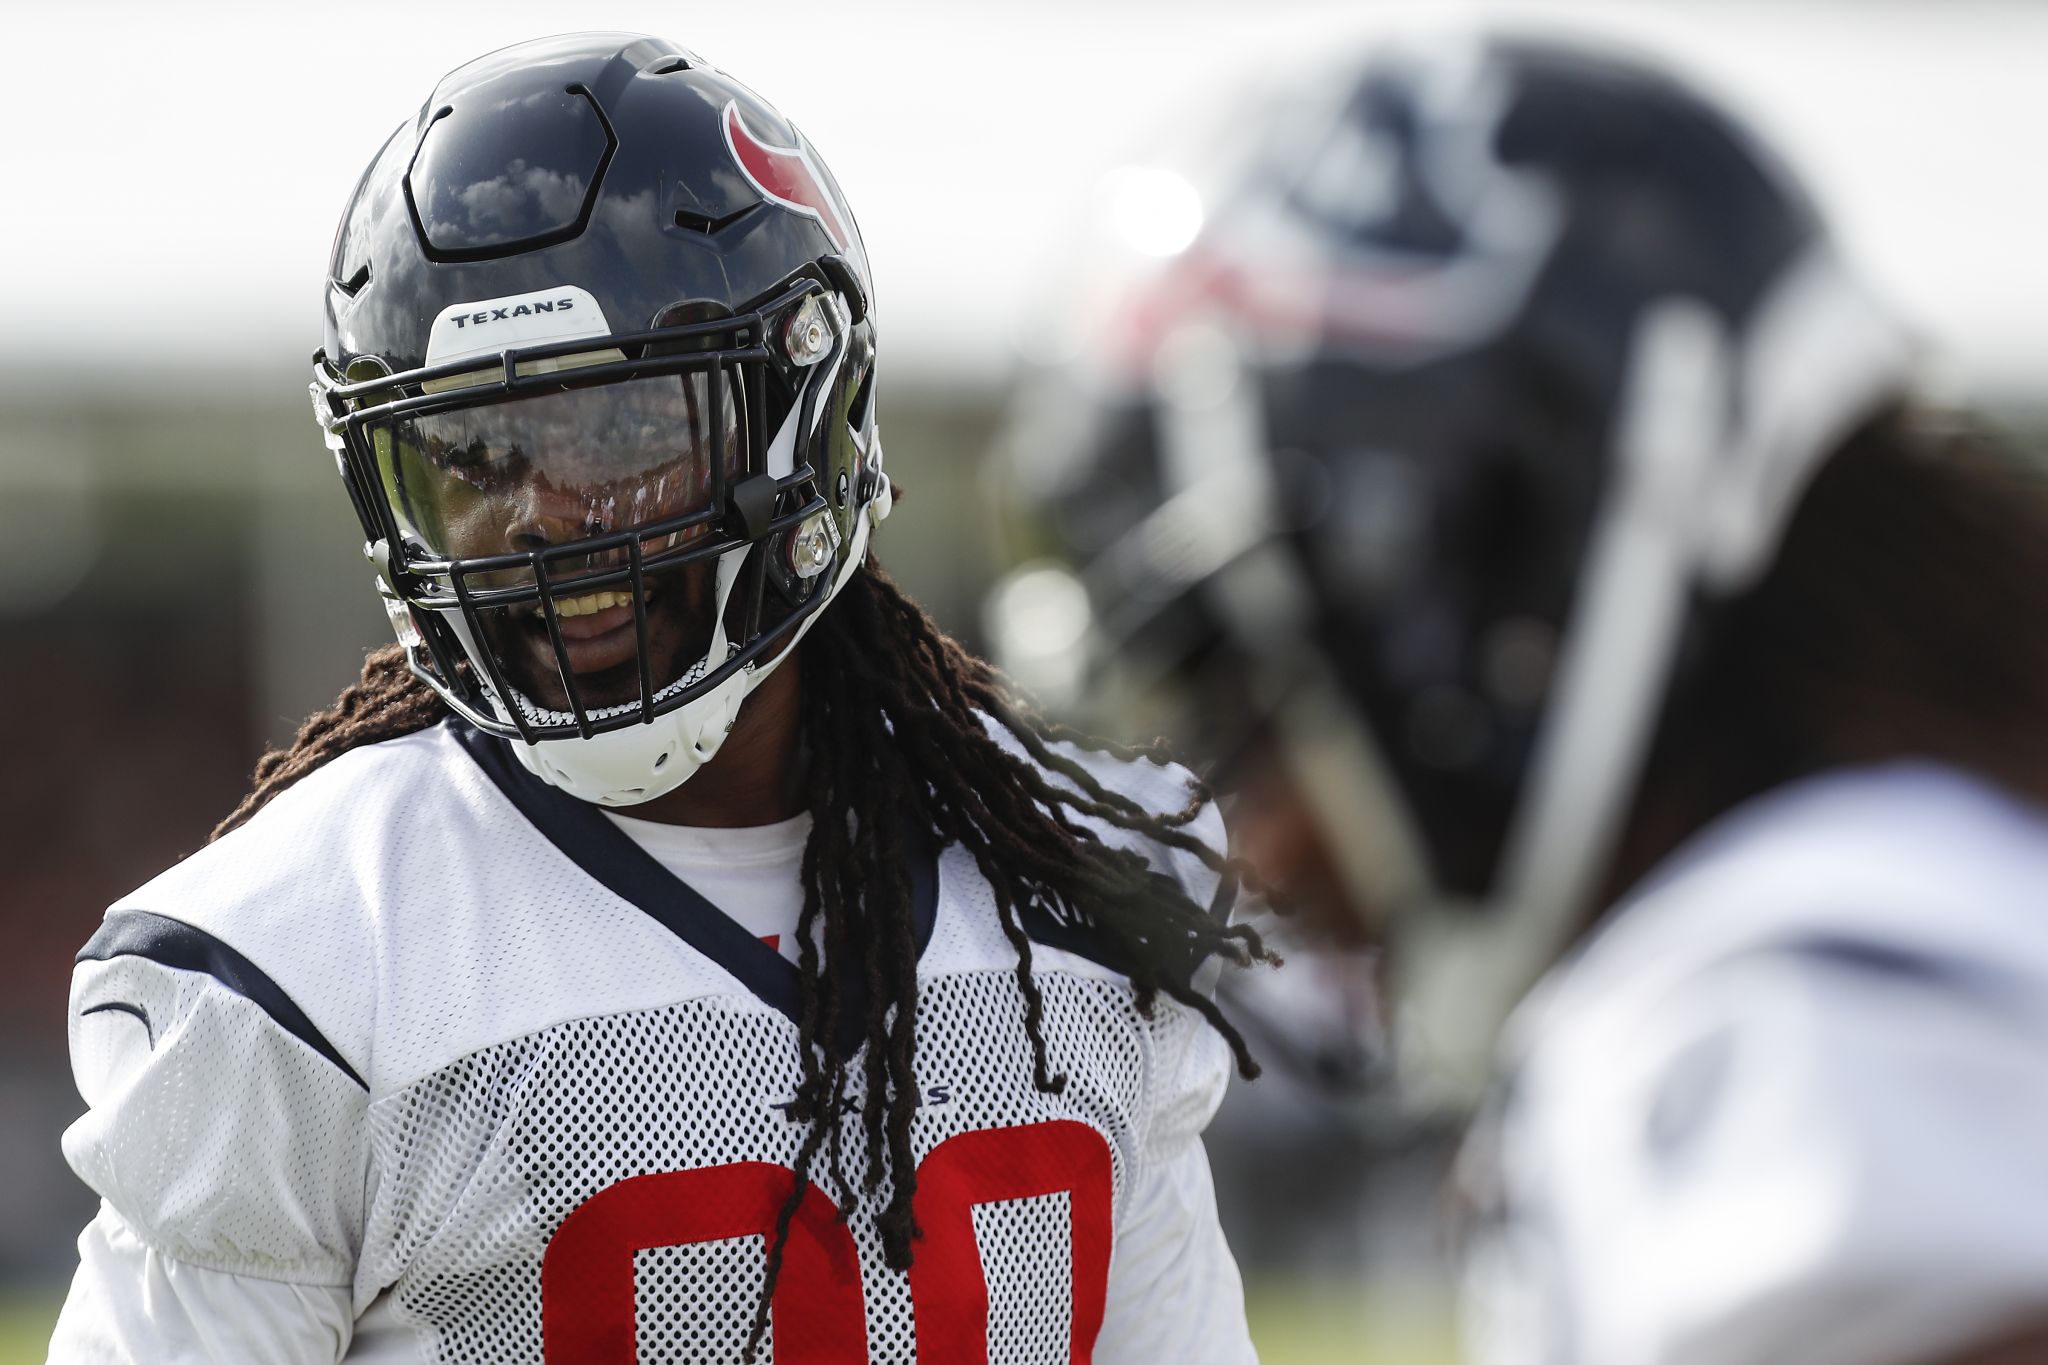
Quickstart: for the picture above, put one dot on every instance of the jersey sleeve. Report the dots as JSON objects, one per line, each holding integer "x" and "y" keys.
{"x": 1826, "y": 1151}
{"x": 130, "y": 1302}
{"x": 1174, "y": 1292}
{"x": 227, "y": 1142}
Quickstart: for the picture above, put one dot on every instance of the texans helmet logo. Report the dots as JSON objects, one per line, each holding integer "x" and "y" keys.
{"x": 784, "y": 175}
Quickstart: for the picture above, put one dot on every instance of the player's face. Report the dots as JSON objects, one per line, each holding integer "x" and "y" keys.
{"x": 513, "y": 478}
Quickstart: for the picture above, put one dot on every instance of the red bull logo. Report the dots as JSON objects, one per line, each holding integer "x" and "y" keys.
{"x": 784, "y": 175}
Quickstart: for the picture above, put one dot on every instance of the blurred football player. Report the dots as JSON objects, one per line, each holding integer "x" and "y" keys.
{"x": 1515, "y": 493}
{"x": 676, "y": 947}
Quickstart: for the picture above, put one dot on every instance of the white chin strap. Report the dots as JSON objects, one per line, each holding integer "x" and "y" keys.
{"x": 626, "y": 767}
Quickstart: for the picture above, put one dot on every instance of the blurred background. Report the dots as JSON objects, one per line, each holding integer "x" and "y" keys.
{"x": 180, "y": 578}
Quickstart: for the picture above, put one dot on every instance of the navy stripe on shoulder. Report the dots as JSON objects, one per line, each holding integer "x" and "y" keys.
{"x": 1894, "y": 961}
{"x": 1082, "y": 940}
{"x": 176, "y": 944}
{"x": 1974, "y": 982}
{"x": 1176, "y": 962}
{"x": 124, "y": 1007}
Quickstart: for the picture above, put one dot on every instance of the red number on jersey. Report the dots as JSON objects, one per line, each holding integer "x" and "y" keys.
{"x": 948, "y": 1288}
{"x": 586, "y": 1277}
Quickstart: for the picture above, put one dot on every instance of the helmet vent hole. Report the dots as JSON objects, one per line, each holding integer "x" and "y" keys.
{"x": 669, "y": 67}
{"x": 353, "y": 284}
{"x": 662, "y": 761}
{"x": 698, "y": 222}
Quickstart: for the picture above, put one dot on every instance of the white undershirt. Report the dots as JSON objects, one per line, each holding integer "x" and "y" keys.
{"x": 754, "y": 875}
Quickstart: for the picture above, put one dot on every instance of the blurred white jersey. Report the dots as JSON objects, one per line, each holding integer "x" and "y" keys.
{"x": 1791, "y": 1104}
{"x": 430, "y": 1062}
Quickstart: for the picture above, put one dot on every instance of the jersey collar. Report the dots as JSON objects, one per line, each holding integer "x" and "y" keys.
{"x": 610, "y": 857}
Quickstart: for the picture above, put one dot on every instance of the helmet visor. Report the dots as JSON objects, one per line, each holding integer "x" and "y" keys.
{"x": 536, "y": 473}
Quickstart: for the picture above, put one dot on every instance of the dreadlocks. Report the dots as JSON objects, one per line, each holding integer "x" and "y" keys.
{"x": 905, "y": 728}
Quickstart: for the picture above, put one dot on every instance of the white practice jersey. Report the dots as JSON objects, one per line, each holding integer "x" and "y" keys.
{"x": 1791, "y": 1104}
{"x": 431, "y": 1062}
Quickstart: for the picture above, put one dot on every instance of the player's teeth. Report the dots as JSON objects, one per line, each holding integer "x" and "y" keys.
{"x": 590, "y": 603}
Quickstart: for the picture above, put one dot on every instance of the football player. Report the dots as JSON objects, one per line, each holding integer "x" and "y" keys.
{"x": 1523, "y": 496}
{"x": 676, "y": 947}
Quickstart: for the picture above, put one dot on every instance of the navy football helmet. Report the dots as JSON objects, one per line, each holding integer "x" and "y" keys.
{"x": 1411, "y": 471}
{"x": 599, "y": 374}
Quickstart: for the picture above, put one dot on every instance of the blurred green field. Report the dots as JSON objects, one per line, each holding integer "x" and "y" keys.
{"x": 1336, "y": 1324}
{"x": 25, "y": 1328}
{"x": 1292, "y": 1324}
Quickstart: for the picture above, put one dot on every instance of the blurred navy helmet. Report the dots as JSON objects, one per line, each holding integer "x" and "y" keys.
{"x": 599, "y": 339}
{"x": 1410, "y": 470}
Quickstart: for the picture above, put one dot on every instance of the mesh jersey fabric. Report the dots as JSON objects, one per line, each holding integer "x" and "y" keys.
{"x": 405, "y": 1054}
{"x": 1790, "y": 1104}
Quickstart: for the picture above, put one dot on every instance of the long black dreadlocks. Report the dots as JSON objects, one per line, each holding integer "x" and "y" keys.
{"x": 902, "y": 730}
